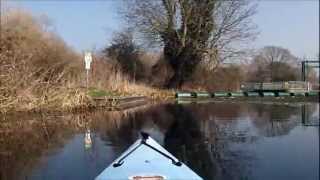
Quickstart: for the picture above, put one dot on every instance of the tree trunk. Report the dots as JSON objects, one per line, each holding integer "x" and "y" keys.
{"x": 177, "y": 79}
{"x": 183, "y": 65}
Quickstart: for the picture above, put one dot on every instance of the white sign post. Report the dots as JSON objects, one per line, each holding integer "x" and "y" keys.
{"x": 87, "y": 60}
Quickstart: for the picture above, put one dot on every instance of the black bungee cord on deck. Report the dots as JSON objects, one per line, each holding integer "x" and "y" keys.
{"x": 145, "y": 136}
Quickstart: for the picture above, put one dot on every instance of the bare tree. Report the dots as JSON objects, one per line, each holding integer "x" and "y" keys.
{"x": 270, "y": 54}
{"x": 125, "y": 52}
{"x": 274, "y": 63}
{"x": 191, "y": 31}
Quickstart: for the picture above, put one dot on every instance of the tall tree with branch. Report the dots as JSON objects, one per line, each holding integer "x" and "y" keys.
{"x": 193, "y": 31}
{"x": 278, "y": 63}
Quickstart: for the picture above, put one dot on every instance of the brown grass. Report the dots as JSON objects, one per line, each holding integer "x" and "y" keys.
{"x": 124, "y": 86}
{"x": 35, "y": 64}
{"x": 39, "y": 71}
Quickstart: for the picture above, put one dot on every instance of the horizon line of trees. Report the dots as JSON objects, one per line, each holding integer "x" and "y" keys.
{"x": 268, "y": 64}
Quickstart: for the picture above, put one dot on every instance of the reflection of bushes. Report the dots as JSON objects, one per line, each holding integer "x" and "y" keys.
{"x": 23, "y": 142}
{"x": 198, "y": 134}
{"x": 222, "y": 79}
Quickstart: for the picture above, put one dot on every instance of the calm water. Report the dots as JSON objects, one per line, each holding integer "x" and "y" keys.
{"x": 216, "y": 140}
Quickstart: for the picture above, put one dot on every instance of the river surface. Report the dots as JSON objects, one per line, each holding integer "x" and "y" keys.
{"x": 217, "y": 140}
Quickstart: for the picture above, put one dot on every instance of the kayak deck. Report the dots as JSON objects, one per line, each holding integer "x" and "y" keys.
{"x": 143, "y": 162}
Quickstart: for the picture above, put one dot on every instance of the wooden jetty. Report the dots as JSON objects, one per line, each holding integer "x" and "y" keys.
{"x": 299, "y": 90}
{"x": 286, "y": 86}
{"x": 273, "y": 96}
{"x": 120, "y": 103}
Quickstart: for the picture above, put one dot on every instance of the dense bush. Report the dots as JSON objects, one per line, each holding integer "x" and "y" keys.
{"x": 33, "y": 60}
{"x": 126, "y": 55}
{"x": 223, "y": 78}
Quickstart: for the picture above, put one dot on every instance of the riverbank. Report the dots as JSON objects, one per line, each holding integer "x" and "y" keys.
{"x": 82, "y": 99}
{"x": 77, "y": 99}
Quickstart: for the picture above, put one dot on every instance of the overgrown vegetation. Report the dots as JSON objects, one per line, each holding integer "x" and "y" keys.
{"x": 36, "y": 65}
{"x": 39, "y": 71}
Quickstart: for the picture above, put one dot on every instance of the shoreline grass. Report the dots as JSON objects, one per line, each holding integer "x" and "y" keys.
{"x": 63, "y": 99}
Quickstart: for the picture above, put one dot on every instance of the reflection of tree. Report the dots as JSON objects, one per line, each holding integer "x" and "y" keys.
{"x": 186, "y": 141}
{"x": 201, "y": 135}
{"x": 274, "y": 120}
{"x": 310, "y": 115}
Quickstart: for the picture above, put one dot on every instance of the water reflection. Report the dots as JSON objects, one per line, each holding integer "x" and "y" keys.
{"x": 217, "y": 140}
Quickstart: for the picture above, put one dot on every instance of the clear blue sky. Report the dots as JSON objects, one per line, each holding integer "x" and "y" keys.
{"x": 84, "y": 24}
